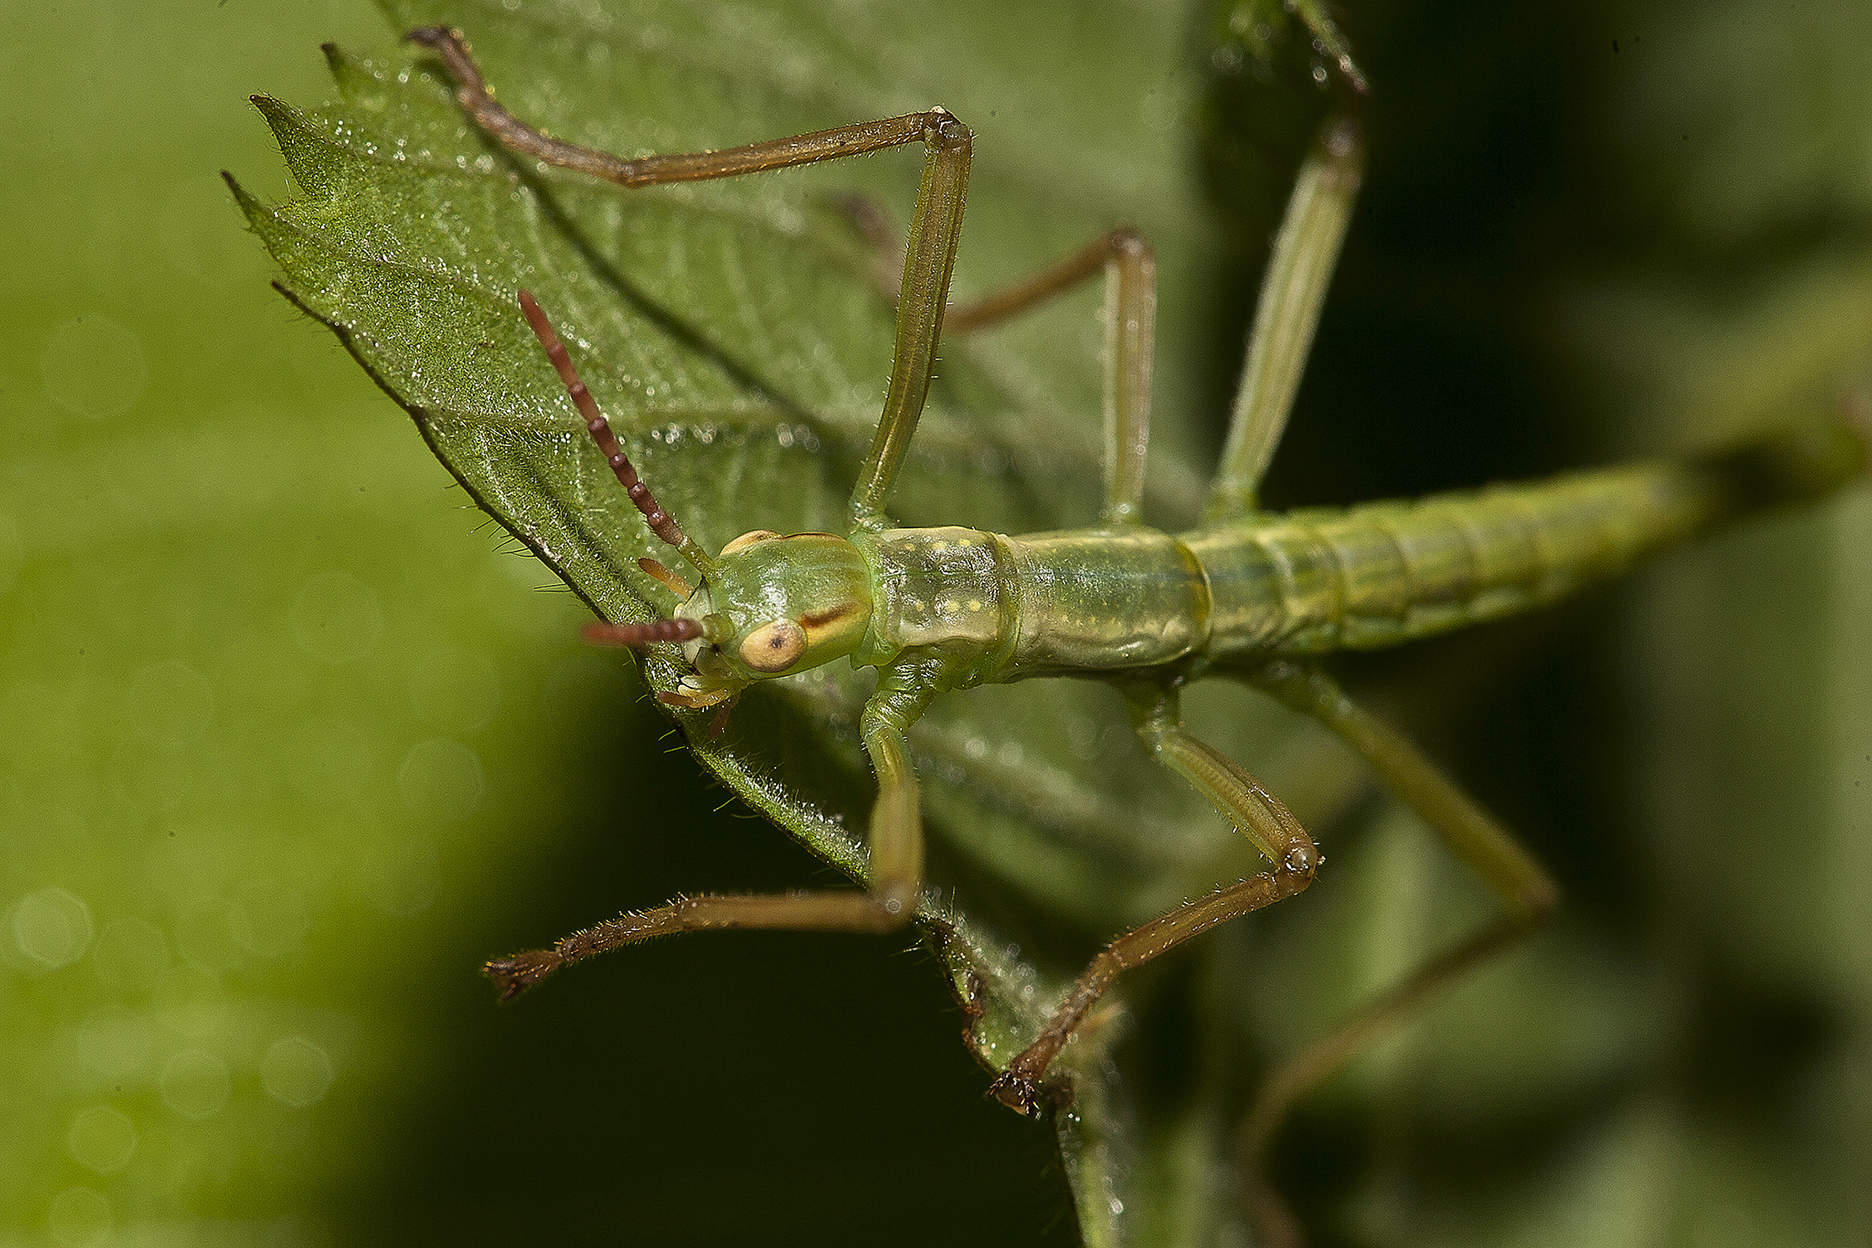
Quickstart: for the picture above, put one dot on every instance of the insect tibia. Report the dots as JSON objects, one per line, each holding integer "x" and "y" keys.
{"x": 521, "y": 971}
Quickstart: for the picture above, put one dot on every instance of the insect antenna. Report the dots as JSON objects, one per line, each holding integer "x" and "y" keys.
{"x": 643, "y": 634}
{"x": 661, "y": 522}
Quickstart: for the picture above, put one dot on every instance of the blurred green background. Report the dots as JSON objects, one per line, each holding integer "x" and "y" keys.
{"x": 290, "y": 740}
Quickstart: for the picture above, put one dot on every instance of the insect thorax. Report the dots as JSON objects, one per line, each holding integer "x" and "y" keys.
{"x": 999, "y": 608}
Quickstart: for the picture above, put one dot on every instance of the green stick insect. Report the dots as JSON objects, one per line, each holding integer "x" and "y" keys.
{"x": 1250, "y": 596}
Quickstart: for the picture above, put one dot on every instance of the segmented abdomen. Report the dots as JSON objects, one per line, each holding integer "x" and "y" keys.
{"x": 1375, "y": 575}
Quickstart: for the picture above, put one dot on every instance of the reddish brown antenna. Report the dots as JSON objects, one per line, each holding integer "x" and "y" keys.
{"x": 602, "y": 634}
{"x": 661, "y": 522}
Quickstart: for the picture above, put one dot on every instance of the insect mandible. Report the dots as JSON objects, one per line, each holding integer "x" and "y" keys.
{"x": 1247, "y": 596}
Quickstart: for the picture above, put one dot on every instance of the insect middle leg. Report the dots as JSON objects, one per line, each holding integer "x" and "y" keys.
{"x": 1130, "y": 266}
{"x": 1240, "y": 798}
{"x": 1528, "y": 896}
{"x": 1130, "y": 321}
{"x": 1130, "y": 317}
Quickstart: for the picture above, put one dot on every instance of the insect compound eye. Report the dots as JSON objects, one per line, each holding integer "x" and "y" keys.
{"x": 774, "y": 647}
{"x": 748, "y": 539}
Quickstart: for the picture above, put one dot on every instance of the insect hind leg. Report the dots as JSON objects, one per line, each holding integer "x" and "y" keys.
{"x": 1242, "y": 799}
{"x": 1528, "y": 895}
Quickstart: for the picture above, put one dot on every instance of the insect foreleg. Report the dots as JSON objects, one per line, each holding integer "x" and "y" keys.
{"x": 889, "y": 902}
{"x": 1298, "y": 272}
{"x": 472, "y": 94}
{"x": 928, "y": 260}
{"x": 1524, "y": 888}
{"x": 903, "y": 693}
{"x": 1241, "y": 799}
